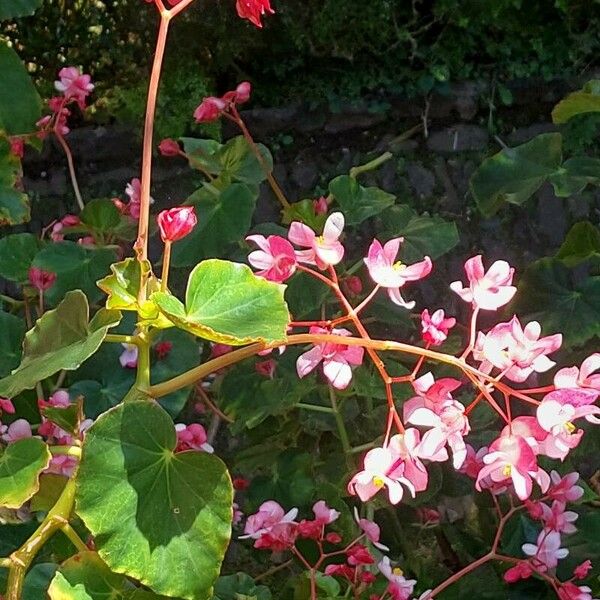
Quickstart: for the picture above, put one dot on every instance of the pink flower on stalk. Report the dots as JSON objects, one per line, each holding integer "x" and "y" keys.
{"x": 192, "y": 437}
{"x": 276, "y": 258}
{"x": 488, "y": 291}
{"x": 129, "y": 356}
{"x": 337, "y": 359}
{"x": 391, "y": 274}
{"x": 473, "y": 461}
{"x": 383, "y": 468}
{"x": 169, "y": 147}
{"x": 253, "y": 10}
{"x": 565, "y": 488}
{"x": 569, "y": 591}
{"x": 270, "y": 514}
{"x": 175, "y": 223}
{"x": 518, "y": 352}
{"x": 435, "y": 327}
{"x": 557, "y": 518}
{"x": 581, "y": 571}
{"x": 17, "y": 430}
{"x": 324, "y": 515}
{"x": 560, "y": 408}
{"x": 522, "y": 570}
{"x": 510, "y": 459}
{"x": 371, "y": 530}
{"x": 323, "y": 250}
{"x": 40, "y": 279}
{"x": 240, "y": 95}
{"x": 209, "y": 109}
{"x": 399, "y": 587}
{"x": 547, "y": 552}
{"x": 74, "y": 85}
{"x": 573, "y": 377}
{"x": 134, "y": 191}
{"x": 7, "y": 406}
{"x": 57, "y": 235}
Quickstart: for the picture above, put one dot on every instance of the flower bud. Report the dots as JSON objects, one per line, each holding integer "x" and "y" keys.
{"x": 40, "y": 279}
{"x": 242, "y": 92}
{"x": 209, "y": 109}
{"x": 176, "y": 223}
{"x": 169, "y": 147}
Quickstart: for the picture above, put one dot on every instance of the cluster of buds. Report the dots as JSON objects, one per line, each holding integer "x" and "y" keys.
{"x": 212, "y": 107}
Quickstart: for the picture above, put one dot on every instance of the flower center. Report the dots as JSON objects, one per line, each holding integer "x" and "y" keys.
{"x": 570, "y": 427}
{"x": 398, "y": 266}
{"x": 398, "y": 571}
{"x": 378, "y": 481}
{"x": 507, "y": 471}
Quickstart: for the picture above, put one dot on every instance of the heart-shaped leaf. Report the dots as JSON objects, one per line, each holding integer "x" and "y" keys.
{"x": 582, "y": 243}
{"x": 358, "y": 203}
{"x": 17, "y": 251}
{"x": 100, "y": 214}
{"x": 515, "y": 174}
{"x": 14, "y": 204}
{"x": 161, "y": 517}
{"x": 62, "y": 339}
{"x": 581, "y": 102}
{"x": 240, "y": 585}
{"x": 21, "y": 464}
{"x": 86, "y": 577}
{"x": 226, "y": 303}
{"x": 10, "y": 9}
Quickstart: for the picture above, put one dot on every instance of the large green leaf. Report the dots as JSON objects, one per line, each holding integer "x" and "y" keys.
{"x": 14, "y": 204}
{"x": 581, "y": 102}
{"x": 37, "y": 580}
{"x": 240, "y": 585}
{"x": 76, "y": 267}
{"x": 161, "y": 517}
{"x": 21, "y": 464}
{"x": 515, "y": 174}
{"x": 101, "y": 215}
{"x": 574, "y": 175}
{"x": 17, "y": 251}
{"x": 225, "y": 302}
{"x": 20, "y": 104}
{"x": 61, "y": 340}
{"x": 582, "y": 243}
{"x": 235, "y": 159}
{"x": 423, "y": 235}
{"x": 12, "y": 332}
{"x": 358, "y": 203}
{"x": 548, "y": 293}
{"x": 224, "y": 217}
{"x": 10, "y": 9}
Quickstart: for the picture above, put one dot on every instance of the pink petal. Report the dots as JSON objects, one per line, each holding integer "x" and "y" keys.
{"x": 308, "y": 361}
{"x": 334, "y": 226}
{"x": 301, "y": 234}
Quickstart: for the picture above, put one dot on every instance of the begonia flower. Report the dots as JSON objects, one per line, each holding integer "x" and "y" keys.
{"x": 435, "y": 327}
{"x": 581, "y": 571}
{"x": 557, "y": 518}
{"x": 565, "y": 488}
{"x": 175, "y": 223}
{"x": 324, "y": 514}
{"x": 74, "y": 85}
{"x": 486, "y": 290}
{"x": 7, "y": 406}
{"x": 269, "y": 515}
{"x": 547, "y": 552}
{"x": 17, "y": 430}
{"x": 40, "y": 279}
{"x": 169, "y": 147}
{"x": 275, "y": 258}
{"x": 371, "y": 530}
{"x": 391, "y": 274}
{"x": 129, "y": 356}
{"x": 399, "y": 588}
{"x": 209, "y": 109}
{"x": 569, "y": 591}
{"x": 522, "y": 570}
{"x": 253, "y": 10}
{"x": 323, "y": 250}
{"x": 583, "y": 377}
{"x": 192, "y": 437}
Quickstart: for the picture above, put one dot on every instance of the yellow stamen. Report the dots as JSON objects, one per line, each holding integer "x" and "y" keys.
{"x": 507, "y": 471}
{"x": 378, "y": 481}
{"x": 397, "y": 571}
{"x": 570, "y": 427}
{"x": 399, "y": 266}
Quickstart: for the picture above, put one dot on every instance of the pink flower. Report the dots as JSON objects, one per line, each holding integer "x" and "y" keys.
{"x": 73, "y": 84}
{"x": 324, "y": 250}
{"x": 399, "y": 587}
{"x": 386, "y": 272}
{"x": 40, "y": 279}
{"x": 169, "y": 147}
{"x": 176, "y": 223}
{"x": 266, "y": 368}
{"x": 570, "y": 591}
{"x": 269, "y": 515}
{"x": 488, "y": 291}
{"x": 564, "y": 488}
{"x": 17, "y": 430}
{"x": 581, "y": 571}
{"x": 134, "y": 192}
{"x": 547, "y": 552}
{"x": 238, "y": 515}
{"x": 344, "y": 571}
{"x": 17, "y": 146}
{"x": 192, "y": 437}
{"x": 57, "y": 235}
{"x": 240, "y": 95}
{"x": 163, "y": 349}
{"x": 371, "y": 530}
{"x": 511, "y": 459}
{"x": 253, "y": 10}
{"x": 323, "y": 514}
{"x": 7, "y": 406}
{"x": 62, "y": 465}
{"x": 557, "y": 518}
{"x": 435, "y": 327}
{"x": 473, "y": 461}
{"x": 352, "y": 285}
{"x": 383, "y": 468}
{"x": 522, "y": 570}
{"x": 276, "y": 258}
{"x": 320, "y": 206}
{"x": 337, "y": 359}
{"x": 560, "y": 408}
{"x": 129, "y": 356}
{"x": 358, "y": 555}
{"x": 518, "y": 352}
{"x": 580, "y": 378}
{"x": 209, "y": 109}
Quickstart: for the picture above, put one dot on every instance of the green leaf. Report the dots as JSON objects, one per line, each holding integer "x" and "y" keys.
{"x": 423, "y": 235}
{"x": 37, "y": 581}
{"x": 224, "y": 217}
{"x": 305, "y": 295}
{"x": 20, "y": 466}
{"x": 101, "y": 215}
{"x": 20, "y": 104}
{"x": 17, "y": 251}
{"x": 358, "y": 203}
{"x": 161, "y": 517}
{"x": 328, "y": 585}
{"x": 10, "y": 9}
{"x": 51, "y": 487}
{"x": 240, "y": 585}
{"x": 85, "y": 577}
{"x": 582, "y": 243}
{"x": 581, "y": 102}
{"x": 548, "y": 293}
{"x": 234, "y": 160}
{"x": 574, "y": 175}
{"x": 61, "y": 340}
{"x": 68, "y": 418}
{"x": 304, "y": 212}
{"x": 76, "y": 267}
{"x": 515, "y": 174}
{"x": 14, "y": 204}
{"x": 12, "y": 332}
{"x": 226, "y": 303}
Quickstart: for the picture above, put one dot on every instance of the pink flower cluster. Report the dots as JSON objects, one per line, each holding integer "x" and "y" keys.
{"x": 212, "y": 107}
